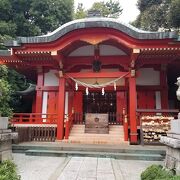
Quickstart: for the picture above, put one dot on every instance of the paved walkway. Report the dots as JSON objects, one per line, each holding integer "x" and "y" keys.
{"x": 78, "y": 168}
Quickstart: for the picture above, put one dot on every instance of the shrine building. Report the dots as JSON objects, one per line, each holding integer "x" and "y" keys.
{"x": 98, "y": 74}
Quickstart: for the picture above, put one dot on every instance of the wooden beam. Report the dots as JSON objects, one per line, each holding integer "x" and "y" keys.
{"x": 96, "y": 74}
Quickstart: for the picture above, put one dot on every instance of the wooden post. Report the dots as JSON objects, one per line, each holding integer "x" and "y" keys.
{"x": 132, "y": 110}
{"x": 39, "y": 92}
{"x": 164, "y": 91}
{"x": 61, "y": 109}
{"x": 125, "y": 125}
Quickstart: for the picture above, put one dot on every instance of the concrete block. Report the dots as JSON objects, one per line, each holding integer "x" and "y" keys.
{"x": 3, "y": 122}
{"x": 5, "y": 145}
{"x": 175, "y": 126}
{"x": 6, "y": 155}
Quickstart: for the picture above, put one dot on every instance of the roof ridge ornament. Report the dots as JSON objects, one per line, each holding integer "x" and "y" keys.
{"x": 94, "y": 13}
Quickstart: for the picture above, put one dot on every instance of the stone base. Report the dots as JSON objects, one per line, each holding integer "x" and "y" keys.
{"x": 96, "y": 123}
{"x": 172, "y": 160}
{"x": 6, "y": 137}
{"x": 5, "y": 150}
{"x": 170, "y": 141}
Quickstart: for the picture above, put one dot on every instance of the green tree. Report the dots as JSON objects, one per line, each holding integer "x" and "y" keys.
{"x": 80, "y": 12}
{"x": 174, "y": 14}
{"x": 48, "y": 15}
{"x": 5, "y": 92}
{"x": 108, "y": 9}
{"x": 32, "y": 17}
{"x": 158, "y": 14}
{"x": 26, "y": 18}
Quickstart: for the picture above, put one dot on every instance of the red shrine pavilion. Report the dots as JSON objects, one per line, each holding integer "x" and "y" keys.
{"x": 98, "y": 66}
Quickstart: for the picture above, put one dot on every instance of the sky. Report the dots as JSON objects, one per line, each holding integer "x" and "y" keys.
{"x": 130, "y": 10}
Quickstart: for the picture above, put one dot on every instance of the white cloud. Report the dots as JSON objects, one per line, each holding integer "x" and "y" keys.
{"x": 130, "y": 10}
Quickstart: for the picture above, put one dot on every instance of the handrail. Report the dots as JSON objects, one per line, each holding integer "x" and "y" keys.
{"x": 157, "y": 110}
{"x": 68, "y": 125}
{"x": 34, "y": 118}
{"x": 113, "y": 118}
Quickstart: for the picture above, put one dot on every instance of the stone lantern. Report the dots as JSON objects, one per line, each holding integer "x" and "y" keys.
{"x": 6, "y": 136}
{"x": 172, "y": 141}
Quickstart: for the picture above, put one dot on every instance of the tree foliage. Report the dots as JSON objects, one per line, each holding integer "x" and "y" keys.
{"x": 174, "y": 14}
{"x": 8, "y": 171}
{"x": 10, "y": 82}
{"x": 32, "y": 17}
{"x": 80, "y": 12}
{"x": 158, "y": 14}
{"x": 26, "y": 18}
{"x": 5, "y": 92}
{"x": 107, "y": 9}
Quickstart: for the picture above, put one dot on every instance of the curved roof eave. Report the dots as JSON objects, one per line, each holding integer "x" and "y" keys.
{"x": 92, "y": 23}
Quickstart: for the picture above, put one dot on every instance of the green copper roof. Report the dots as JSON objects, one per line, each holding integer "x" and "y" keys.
{"x": 90, "y": 23}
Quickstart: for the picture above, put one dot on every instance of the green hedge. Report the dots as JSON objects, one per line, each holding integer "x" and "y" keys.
{"x": 8, "y": 171}
{"x": 156, "y": 172}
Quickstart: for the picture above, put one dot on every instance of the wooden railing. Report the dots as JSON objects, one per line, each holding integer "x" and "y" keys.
{"x": 113, "y": 118}
{"x": 68, "y": 125}
{"x": 34, "y": 118}
{"x": 26, "y": 134}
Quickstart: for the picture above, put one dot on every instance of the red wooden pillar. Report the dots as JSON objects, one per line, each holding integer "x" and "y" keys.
{"x": 61, "y": 109}
{"x": 132, "y": 110}
{"x": 121, "y": 103}
{"x": 164, "y": 91}
{"x": 39, "y": 92}
{"x": 78, "y": 106}
{"x": 34, "y": 105}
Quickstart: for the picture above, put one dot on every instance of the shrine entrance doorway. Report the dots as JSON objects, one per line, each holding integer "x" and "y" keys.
{"x": 97, "y": 103}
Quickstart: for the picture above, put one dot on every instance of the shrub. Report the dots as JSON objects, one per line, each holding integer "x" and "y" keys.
{"x": 156, "y": 172}
{"x": 8, "y": 171}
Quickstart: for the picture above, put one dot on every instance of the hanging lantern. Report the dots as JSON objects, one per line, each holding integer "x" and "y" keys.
{"x": 87, "y": 91}
{"x": 115, "y": 86}
{"x": 103, "y": 91}
{"x": 76, "y": 86}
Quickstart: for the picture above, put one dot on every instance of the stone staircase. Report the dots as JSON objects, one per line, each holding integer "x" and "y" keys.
{"x": 115, "y": 136}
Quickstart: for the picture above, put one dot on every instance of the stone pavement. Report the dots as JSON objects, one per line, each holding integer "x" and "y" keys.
{"x": 78, "y": 168}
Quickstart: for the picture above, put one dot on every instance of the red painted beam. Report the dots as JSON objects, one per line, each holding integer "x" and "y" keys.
{"x": 50, "y": 88}
{"x": 108, "y": 88}
{"x": 96, "y": 75}
{"x": 87, "y": 60}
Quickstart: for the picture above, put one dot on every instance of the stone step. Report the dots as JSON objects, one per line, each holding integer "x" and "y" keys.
{"x": 125, "y": 156}
{"x": 110, "y": 130}
{"x": 21, "y": 148}
{"x": 96, "y": 142}
{"x": 96, "y": 136}
{"x": 91, "y": 140}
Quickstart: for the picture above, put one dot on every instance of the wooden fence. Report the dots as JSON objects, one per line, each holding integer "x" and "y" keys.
{"x": 37, "y": 133}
